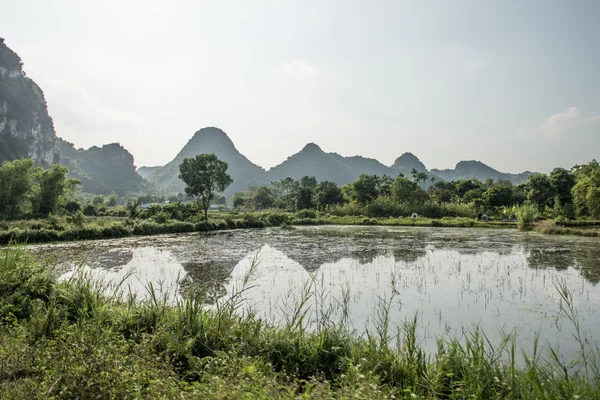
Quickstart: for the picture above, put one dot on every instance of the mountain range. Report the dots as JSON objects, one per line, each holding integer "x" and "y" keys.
{"x": 27, "y": 130}
{"x": 311, "y": 160}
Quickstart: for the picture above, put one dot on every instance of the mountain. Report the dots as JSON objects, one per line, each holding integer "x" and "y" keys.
{"x": 145, "y": 172}
{"x": 313, "y": 161}
{"x": 478, "y": 170}
{"x": 206, "y": 141}
{"x": 406, "y": 163}
{"x": 26, "y": 129}
{"x": 102, "y": 169}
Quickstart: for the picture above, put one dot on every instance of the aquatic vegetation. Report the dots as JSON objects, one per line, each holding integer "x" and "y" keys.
{"x": 82, "y": 337}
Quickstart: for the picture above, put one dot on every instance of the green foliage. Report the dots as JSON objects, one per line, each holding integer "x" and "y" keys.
{"x": 81, "y": 339}
{"x": 43, "y": 190}
{"x": 133, "y": 209}
{"x": 327, "y": 194}
{"x": 112, "y": 200}
{"x": 54, "y": 187}
{"x": 539, "y": 191}
{"x": 526, "y": 215}
{"x": 562, "y": 182}
{"x": 15, "y": 186}
{"x": 261, "y": 198}
{"x": 364, "y": 189}
{"x": 498, "y": 196}
{"x": 24, "y": 283}
{"x": 586, "y": 192}
{"x": 204, "y": 175}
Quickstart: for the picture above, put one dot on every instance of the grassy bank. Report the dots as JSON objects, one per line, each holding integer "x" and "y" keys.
{"x": 73, "y": 340}
{"x": 559, "y": 230}
{"x": 89, "y": 228}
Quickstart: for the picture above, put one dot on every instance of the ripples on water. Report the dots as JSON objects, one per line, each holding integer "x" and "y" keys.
{"x": 453, "y": 279}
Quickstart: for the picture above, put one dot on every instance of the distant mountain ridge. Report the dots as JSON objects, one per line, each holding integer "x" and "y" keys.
{"x": 478, "y": 170}
{"x": 310, "y": 161}
{"x": 27, "y": 131}
{"x": 206, "y": 141}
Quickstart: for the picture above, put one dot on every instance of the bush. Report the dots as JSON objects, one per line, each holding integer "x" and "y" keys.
{"x": 77, "y": 219}
{"x": 161, "y": 217}
{"x": 278, "y": 219}
{"x": 23, "y": 283}
{"x": 526, "y": 215}
{"x": 386, "y": 208}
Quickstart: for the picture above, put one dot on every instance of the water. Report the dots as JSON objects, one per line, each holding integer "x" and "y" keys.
{"x": 453, "y": 279}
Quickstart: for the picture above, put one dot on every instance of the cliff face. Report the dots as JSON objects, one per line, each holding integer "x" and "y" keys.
{"x": 102, "y": 169}
{"x": 26, "y": 129}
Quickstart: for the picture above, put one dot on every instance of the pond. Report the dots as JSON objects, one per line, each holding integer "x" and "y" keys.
{"x": 452, "y": 279}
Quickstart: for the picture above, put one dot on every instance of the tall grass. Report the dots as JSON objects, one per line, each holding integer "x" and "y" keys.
{"x": 526, "y": 215}
{"x": 82, "y": 338}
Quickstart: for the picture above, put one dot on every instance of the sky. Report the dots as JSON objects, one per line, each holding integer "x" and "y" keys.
{"x": 514, "y": 84}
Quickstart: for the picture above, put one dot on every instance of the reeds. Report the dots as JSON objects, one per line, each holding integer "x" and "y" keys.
{"x": 82, "y": 337}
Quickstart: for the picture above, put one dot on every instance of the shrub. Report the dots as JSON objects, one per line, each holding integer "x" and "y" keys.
{"x": 303, "y": 214}
{"x": 526, "y": 215}
{"x": 77, "y": 219}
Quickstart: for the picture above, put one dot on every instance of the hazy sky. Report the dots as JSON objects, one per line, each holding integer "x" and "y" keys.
{"x": 515, "y": 84}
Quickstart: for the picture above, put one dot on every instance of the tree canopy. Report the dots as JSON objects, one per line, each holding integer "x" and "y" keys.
{"x": 204, "y": 175}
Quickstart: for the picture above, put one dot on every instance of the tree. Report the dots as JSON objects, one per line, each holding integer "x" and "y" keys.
{"x": 54, "y": 186}
{"x": 204, "y": 175}
{"x": 327, "y": 193}
{"x": 539, "y": 191}
{"x": 463, "y": 186}
{"x": 239, "y": 199}
{"x": 384, "y": 186}
{"x": 562, "y": 182}
{"x": 15, "y": 186}
{"x": 262, "y": 197}
{"x": 286, "y": 190}
{"x": 586, "y": 192}
{"x": 98, "y": 200}
{"x": 220, "y": 200}
{"x": 304, "y": 199}
{"x": 419, "y": 177}
{"x": 403, "y": 190}
{"x": 498, "y": 196}
{"x": 308, "y": 181}
{"x": 364, "y": 189}
{"x": 113, "y": 200}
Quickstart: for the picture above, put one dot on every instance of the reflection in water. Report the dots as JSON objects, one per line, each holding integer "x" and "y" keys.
{"x": 145, "y": 265}
{"x": 451, "y": 278}
{"x": 210, "y": 276}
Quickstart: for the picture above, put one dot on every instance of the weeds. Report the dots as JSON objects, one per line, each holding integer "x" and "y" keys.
{"x": 81, "y": 338}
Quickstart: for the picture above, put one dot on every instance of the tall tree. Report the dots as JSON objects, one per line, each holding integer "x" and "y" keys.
{"x": 586, "y": 192}
{"x": 54, "y": 186}
{"x": 262, "y": 197}
{"x": 204, "y": 175}
{"x": 15, "y": 186}
{"x": 539, "y": 191}
{"x": 327, "y": 193}
{"x": 562, "y": 182}
{"x": 364, "y": 189}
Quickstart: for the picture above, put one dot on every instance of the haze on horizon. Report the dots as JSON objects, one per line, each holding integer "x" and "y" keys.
{"x": 513, "y": 84}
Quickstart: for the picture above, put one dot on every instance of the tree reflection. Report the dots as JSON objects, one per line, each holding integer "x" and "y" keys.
{"x": 587, "y": 257}
{"x": 210, "y": 277}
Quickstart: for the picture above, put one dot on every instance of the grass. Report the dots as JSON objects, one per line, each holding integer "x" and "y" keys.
{"x": 55, "y": 229}
{"x": 82, "y": 338}
{"x": 526, "y": 215}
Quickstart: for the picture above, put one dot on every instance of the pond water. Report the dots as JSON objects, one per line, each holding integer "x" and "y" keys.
{"x": 452, "y": 279}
